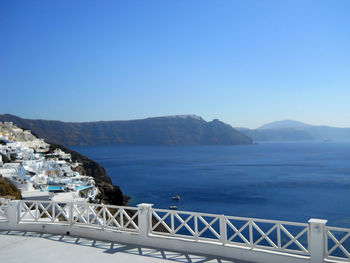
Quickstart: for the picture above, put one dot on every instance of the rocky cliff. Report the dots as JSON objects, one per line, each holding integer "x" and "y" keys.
{"x": 171, "y": 130}
{"x": 110, "y": 193}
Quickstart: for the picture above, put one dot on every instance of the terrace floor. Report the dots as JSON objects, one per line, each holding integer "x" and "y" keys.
{"x": 17, "y": 246}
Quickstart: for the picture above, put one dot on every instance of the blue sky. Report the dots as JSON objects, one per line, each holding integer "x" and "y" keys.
{"x": 245, "y": 62}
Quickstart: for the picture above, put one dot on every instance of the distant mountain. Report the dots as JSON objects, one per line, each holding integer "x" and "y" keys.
{"x": 289, "y": 130}
{"x": 283, "y": 124}
{"x": 170, "y": 130}
{"x": 283, "y": 134}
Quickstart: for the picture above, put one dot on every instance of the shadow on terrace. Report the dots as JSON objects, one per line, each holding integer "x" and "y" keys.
{"x": 102, "y": 248}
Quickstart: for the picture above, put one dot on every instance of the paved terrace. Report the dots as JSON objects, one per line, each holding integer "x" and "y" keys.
{"x": 20, "y": 246}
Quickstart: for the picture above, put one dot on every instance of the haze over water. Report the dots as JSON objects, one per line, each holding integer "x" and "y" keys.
{"x": 282, "y": 181}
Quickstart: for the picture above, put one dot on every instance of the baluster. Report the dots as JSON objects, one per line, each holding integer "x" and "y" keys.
{"x": 121, "y": 213}
{"x": 223, "y": 230}
{"x": 196, "y": 237}
{"x": 104, "y": 216}
{"x": 251, "y": 240}
{"x": 88, "y": 213}
{"x": 70, "y": 219}
{"x": 36, "y": 212}
{"x": 172, "y": 223}
{"x": 53, "y": 213}
{"x": 279, "y": 235}
{"x": 19, "y": 211}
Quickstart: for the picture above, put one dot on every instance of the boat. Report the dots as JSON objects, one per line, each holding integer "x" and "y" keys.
{"x": 173, "y": 207}
{"x": 176, "y": 197}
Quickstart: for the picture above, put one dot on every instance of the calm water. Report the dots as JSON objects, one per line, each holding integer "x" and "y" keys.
{"x": 284, "y": 181}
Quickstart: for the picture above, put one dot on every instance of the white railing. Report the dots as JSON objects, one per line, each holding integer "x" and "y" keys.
{"x": 93, "y": 215}
{"x": 183, "y": 224}
{"x": 247, "y": 239}
{"x": 283, "y": 236}
{"x": 106, "y": 216}
{"x": 43, "y": 211}
{"x": 337, "y": 243}
{"x": 290, "y": 237}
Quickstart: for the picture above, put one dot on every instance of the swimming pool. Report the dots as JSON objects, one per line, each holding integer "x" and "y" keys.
{"x": 82, "y": 187}
{"x": 54, "y": 188}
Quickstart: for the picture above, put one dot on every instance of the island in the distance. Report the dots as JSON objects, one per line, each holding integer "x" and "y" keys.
{"x": 290, "y": 130}
{"x": 169, "y": 130}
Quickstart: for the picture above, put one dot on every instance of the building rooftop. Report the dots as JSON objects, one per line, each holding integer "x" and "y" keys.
{"x": 36, "y": 247}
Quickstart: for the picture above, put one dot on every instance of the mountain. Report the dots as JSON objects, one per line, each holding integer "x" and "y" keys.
{"x": 170, "y": 130}
{"x": 283, "y": 124}
{"x": 289, "y": 130}
{"x": 282, "y": 134}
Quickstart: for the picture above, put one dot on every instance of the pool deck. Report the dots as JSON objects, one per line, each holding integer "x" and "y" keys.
{"x": 18, "y": 246}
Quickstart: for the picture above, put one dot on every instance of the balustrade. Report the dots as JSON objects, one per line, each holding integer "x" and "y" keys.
{"x": 314, "y": 241}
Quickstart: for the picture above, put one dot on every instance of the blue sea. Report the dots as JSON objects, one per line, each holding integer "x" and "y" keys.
{"x": 282, "y": 181}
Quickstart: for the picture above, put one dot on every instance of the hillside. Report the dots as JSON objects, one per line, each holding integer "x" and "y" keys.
{"x": 172, "y": 130}
{"x": 109, "y": 193}
{"x": 8, "y": 190}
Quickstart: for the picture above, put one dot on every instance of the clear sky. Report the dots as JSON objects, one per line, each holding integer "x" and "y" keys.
{"x": 245, "y": 62}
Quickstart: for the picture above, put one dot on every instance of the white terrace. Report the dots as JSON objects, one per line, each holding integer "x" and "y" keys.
{"x": 238, "y": 239}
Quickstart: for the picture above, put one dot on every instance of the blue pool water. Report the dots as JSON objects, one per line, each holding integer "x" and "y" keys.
{"x": 282, "y": 181}
{"x": 82, "y": 187}
{"x": 54, "y": 188}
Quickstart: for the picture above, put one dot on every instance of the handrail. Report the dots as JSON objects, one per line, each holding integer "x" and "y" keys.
{"x": 242, "y": 231}
{"x": 80, "y": 213}
{"x": 313, "y": 241}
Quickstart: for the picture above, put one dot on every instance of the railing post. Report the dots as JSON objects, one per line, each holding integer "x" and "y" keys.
{"x": 71, "y": 219}
{"x": 12, "y": 212}
{"x": 196, "y": 237}
{"x": 144, "y": 219}
{"x": 317, "y": 228}
{"x": 104, "y": 216}
{"x": 19, "y": 211}
{"x": 223, "y": 230}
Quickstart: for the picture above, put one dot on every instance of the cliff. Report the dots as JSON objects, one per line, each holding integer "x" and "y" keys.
{"x": 110, "y": 193}
{"x": 171, "y": 130}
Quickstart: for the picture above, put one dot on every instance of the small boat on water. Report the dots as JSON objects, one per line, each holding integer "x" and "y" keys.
{"x": 173, "y": 207}
{"x": 176, "y": 197}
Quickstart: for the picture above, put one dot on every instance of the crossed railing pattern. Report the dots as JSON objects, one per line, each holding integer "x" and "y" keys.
{"x": 106, "y": 216}
{"x": 185, "y": 224}
{"x": 43, "y": 211}
{"x": 271, "y": 234}
{"x": 253, "y": 233}
{"x": 337, "y": 243}
{"x": 94, "y": 215}
{"x": 3, "y": 209}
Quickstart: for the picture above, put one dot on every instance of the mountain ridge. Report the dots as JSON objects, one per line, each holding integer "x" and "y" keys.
{"x": 283, "y": 124}
{"x": 291, "y": 130}
{"x": 168, "y": 130}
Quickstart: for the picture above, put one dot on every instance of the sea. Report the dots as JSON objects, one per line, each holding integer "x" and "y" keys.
{"x": 292, "y": 181}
